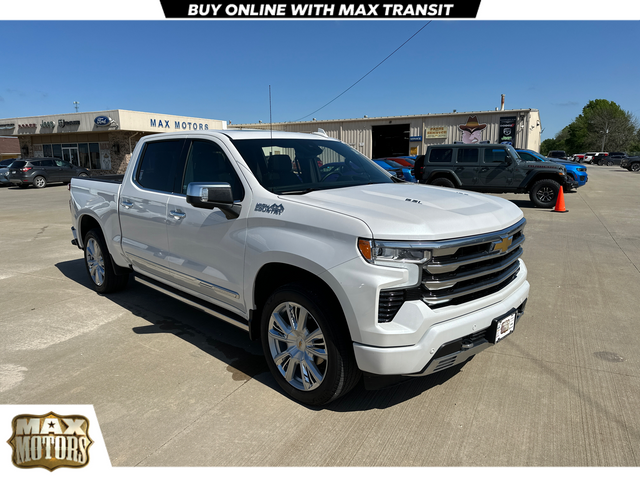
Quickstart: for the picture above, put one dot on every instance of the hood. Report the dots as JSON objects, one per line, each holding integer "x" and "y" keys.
{"x": 416, "y": 211}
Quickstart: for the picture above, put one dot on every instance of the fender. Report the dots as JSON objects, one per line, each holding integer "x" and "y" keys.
{"x": 450, "y": 173}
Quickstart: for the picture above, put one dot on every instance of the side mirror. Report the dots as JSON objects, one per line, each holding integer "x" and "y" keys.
{"x": 213, "y": 195}
{"x": 508, "y": 160}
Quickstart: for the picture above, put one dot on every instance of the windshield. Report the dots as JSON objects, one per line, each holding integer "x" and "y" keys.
{"x": 513, "y": 153}
{"x": 304, "y": 165}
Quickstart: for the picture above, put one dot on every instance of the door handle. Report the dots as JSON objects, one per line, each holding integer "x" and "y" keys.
{"x": 177, "y": 215}
{"x": 126, "y": 204}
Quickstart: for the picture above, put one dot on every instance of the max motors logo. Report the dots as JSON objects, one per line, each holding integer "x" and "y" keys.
{"x": 50, "y": 441}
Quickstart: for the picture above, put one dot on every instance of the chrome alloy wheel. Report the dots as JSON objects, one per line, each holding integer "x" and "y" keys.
{"x": 95, "y": 262}
{"x": 545, "y": 194}
{"x": 39, "y": 182}
{"x": 297, "y": 346}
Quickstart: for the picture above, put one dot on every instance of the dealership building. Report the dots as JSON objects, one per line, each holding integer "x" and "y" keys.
{"x": 411, "y": 135}
{"x": 101, "y": 141}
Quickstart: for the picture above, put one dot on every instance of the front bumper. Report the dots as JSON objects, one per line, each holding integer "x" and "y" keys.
{"x": 444, "y": 345}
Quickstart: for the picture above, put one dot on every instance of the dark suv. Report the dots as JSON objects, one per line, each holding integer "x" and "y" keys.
{"x": 631, "y": 163}
{"x": 41, "y": 171}
{"x": 492, "y": 169}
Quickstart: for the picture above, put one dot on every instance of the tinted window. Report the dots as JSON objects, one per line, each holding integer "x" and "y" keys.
{"x": 284, "y": 165}
{"x": 207, "y": 162}
{"x": 47, "y": 163}
{"x": 494, "y": 155}
{"x": 468, "y": 155}
{"x": 18, "y": 164}
{"x": 158, "y": 165}
{"x": 62, "y": 163}
{"x": 441, "y": 155}
{"x": 36, "y": 163}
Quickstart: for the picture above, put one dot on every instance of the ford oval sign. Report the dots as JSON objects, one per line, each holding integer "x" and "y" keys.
{"x": 102, "y": 121}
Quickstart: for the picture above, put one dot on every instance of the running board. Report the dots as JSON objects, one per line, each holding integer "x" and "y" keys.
{"x": 195, "y": 302}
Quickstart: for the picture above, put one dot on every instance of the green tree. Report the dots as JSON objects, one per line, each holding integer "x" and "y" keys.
{"x": 602, "y": 126}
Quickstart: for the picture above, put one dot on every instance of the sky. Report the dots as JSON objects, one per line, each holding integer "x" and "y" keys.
{"x": 223, "y": 69}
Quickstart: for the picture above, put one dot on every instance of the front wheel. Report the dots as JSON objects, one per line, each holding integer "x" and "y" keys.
{"x": 306, "y": 345}
{"x": 610, "y": 163}
{"x": 99, "y": 264}
{"x": 544, "y": 193}
{"x": 635, "y": 167}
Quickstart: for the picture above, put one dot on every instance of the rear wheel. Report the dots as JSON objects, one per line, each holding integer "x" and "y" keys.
{"x": 39, "y": 182}
{"x": 635, "y": 167}
{"x": 442, "y": 182}
{"x": 544, "y": 193}
{"x": 610, "y": 163}
{"x": 306, "y": 347}
{"x": 99, "y": 265}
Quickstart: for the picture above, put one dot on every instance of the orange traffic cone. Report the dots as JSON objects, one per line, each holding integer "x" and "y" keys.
{"x": 560, "y": 202}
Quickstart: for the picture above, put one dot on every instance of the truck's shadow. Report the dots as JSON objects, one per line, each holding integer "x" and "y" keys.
{"x": 162, "y": 314}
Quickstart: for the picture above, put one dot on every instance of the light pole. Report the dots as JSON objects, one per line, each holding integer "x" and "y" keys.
{"x": 606, "y": 132}
{"x": 76, "y": 105}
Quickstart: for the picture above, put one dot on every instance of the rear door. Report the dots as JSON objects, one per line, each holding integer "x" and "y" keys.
{"x": 206, "y": 249}
{"x": 467, "y": 165}
{"x": 143, "y": 206}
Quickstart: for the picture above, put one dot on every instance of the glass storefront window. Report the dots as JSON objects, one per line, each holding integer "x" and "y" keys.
{"x": 57, "y": 151}
{"x": 94, "y": 155}
{"x": 47, "y": 151}
{"x": 83, "y": 154}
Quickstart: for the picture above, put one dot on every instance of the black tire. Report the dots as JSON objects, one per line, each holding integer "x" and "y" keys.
{"x": 610, "y": 163}
{"x": 331, "y": 373}
{"x": 544, "y": 193}
{"x": 83, "y": 175}
{"x": 635, "y": 167}
{"x": 39, "y": 182}
{"x": 99, "y": 265}
{"x": 442, "y": 182}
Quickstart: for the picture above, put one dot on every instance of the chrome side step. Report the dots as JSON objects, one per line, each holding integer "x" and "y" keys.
{"x": 195, "y": 302}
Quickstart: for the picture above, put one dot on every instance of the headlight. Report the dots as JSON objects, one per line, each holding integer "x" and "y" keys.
{"x": 380, "y": 252}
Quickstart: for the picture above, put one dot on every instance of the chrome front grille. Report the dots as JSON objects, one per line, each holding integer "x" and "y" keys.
{"x": 464, "y": 269}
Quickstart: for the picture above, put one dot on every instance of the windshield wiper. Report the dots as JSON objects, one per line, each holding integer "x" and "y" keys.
{"x": 299, "y": 192}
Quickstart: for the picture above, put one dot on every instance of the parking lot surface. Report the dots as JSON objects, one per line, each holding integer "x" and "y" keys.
{"x": 173, "y": 386}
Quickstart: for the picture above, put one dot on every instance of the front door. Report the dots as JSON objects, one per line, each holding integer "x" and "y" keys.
{"x": 70, "y": 154}
{"x": 206, "y": 249}
{"x": 495, "y": 170}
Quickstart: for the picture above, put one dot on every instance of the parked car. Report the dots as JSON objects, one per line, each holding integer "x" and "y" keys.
{"x": 40, "y": 172}
{"x": 577, "y": 173}
{"x": 631, "y": 163}
{"x": 334, "y": 279}
{"x": 406, "y": 163}
{"x": 588, "y": 157}
{"x": 609, "y": 160}
{"x": 4, "y": 170}
{"x": 578, "y": 157}
{"x": 493, "y": 168}
{"x": 393, "y": 167}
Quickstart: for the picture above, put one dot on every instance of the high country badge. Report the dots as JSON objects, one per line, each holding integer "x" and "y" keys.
{"x": 50, "y": 441}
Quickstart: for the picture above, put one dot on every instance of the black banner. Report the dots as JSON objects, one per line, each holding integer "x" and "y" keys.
{"x": 358, "y": 10}
{"x": 507, "y": 130}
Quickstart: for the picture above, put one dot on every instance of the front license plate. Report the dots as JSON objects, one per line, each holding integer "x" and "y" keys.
{"x": 505, "y": 326}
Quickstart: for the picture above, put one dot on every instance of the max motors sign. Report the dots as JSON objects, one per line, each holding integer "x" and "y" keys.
{"x": 178, "y": 125}
{"x": 50, "y": 441}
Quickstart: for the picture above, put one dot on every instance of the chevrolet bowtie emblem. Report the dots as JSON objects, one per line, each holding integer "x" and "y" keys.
{"x": 503, "y": 245}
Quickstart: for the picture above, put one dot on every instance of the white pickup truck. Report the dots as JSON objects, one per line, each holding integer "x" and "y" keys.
{"x": 337, "y": 267}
